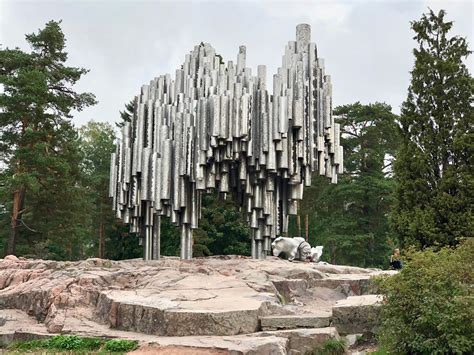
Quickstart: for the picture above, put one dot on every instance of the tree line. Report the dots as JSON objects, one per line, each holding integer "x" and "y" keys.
{"x": 408, "y": 178}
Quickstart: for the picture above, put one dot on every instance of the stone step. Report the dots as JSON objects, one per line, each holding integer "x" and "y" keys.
{"x": 182, "y": 312}
{"x": 316, "y": 320}
{"x": 347, "y": 284}
{"x": 303, "y": 340}
{"x": 357, "y": 314}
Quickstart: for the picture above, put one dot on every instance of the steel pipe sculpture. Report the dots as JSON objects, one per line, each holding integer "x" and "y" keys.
{"x": 216, "y": 127}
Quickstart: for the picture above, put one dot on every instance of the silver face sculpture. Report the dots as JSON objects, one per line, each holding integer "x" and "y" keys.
{"x": 217, "y": 127}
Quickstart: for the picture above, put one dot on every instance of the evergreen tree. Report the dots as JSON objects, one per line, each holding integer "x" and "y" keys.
{"x": 434, "y": 167}
{"x": 36, "y": 105}
{"x": 222, "y": 229}
{"x": 58, "y": 212}
{"x": 97, "y": 143}
{"x": 127, "y": 114}
{"x": 350, "y": 218}
{"x": 110, "y": 237}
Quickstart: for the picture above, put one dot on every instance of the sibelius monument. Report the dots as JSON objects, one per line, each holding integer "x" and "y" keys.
{"x": 217, "y": 127}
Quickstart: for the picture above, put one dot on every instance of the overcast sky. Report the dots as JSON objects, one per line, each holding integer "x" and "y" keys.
{"x": 367, "y": 45}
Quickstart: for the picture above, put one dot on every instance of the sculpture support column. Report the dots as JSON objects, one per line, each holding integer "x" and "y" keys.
{"x": 183, "y": 244}
{"x": 156, "y": 237}
{"x": 189, "y": 245}
{"x": 253, "y": 244}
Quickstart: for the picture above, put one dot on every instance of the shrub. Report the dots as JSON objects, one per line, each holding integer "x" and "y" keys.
{"x": 120, "y": 345}
{"x": 429, "y": 306}
{"x": 65, "y": 342}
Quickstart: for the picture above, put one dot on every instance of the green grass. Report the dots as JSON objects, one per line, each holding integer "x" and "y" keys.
{"x": 120, "y": 345}
{"x": 74, "y": 344}
{"x": 330, "y": 347}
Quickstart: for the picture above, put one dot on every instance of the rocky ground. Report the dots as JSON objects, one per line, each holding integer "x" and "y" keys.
{"x": 216, "y": 305}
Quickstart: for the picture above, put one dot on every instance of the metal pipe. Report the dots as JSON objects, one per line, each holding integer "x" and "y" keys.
{"x": 216, "y": 126}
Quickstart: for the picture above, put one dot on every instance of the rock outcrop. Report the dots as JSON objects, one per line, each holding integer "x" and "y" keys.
{"x": 172, "y": 300}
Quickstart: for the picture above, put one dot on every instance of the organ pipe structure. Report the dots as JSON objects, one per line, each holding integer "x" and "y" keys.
{"x": 217, "y": 127}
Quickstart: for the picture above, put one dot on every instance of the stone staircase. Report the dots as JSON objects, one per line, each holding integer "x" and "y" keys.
{"x": 357, "y": 312}
{"x": 353, "y": 315}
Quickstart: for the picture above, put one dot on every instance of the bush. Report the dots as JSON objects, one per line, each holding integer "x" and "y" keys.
{"x": 120, "y": 345}
{"x": 429, "y": 306}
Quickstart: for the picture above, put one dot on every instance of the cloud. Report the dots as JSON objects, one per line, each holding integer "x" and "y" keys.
{"x": 327, "y": 13}
{"x": 367, "y": 45}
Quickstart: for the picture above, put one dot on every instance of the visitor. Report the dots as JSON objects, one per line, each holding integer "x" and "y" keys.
{"x": 395, "y": 261}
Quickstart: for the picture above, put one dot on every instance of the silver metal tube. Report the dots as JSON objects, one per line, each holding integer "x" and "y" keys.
{"x": 216, "y": 126}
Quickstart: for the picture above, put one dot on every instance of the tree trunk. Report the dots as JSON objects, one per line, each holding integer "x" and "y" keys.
{"x": 306, "y": 236}
{"x": 333, "y": 252}
{"x": 17, "y": 210}
{"x": 101, "y": 240}
{"x": 298, "y": 225}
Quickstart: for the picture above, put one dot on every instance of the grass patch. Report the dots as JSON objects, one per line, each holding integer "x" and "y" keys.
{"x": 330, "y": 347}
{"x": 120, "y": 345}
{"x": 74, "y": 344}
{"x": 107, "y": 264}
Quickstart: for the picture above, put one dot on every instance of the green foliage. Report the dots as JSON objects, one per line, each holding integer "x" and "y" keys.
{"x": 222, "y": 229}
{"x": 434, "y": 167}
{"x": 120, "y": 243}
{"x": 39, "y": 147}
{"x": 24, "y": 346}
{"x": 120, "y": 345}
{"x": 59, "y": 343}
{"x": 127, "y": 114}
{"x": 350, "y": 218}
{"x": 109, "y": 238}
{"x": 97, "y": 143}
{"x": 331, "y": 346}
{"x": 73, "y": 343}
{"x": 170, "y": 238}
{"x": 429, "y": 304}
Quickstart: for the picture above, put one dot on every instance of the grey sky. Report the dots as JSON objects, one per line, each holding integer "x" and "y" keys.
{"x": 367, "y": 45}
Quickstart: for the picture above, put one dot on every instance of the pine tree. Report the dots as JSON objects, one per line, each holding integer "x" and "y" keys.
{"x": 108, "y": 237}
{"x": 434, "y": 167}
{"x": 222, "y": 229}
{"x": 36, "y": 105}
{"x": 59, "y": 211}
{"x": 127, "y": 114}
{"x": 97, "y": 143}
{"x": 350, "y": 218}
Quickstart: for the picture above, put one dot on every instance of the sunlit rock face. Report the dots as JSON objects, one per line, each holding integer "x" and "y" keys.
{"x": 216, "y": 126}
